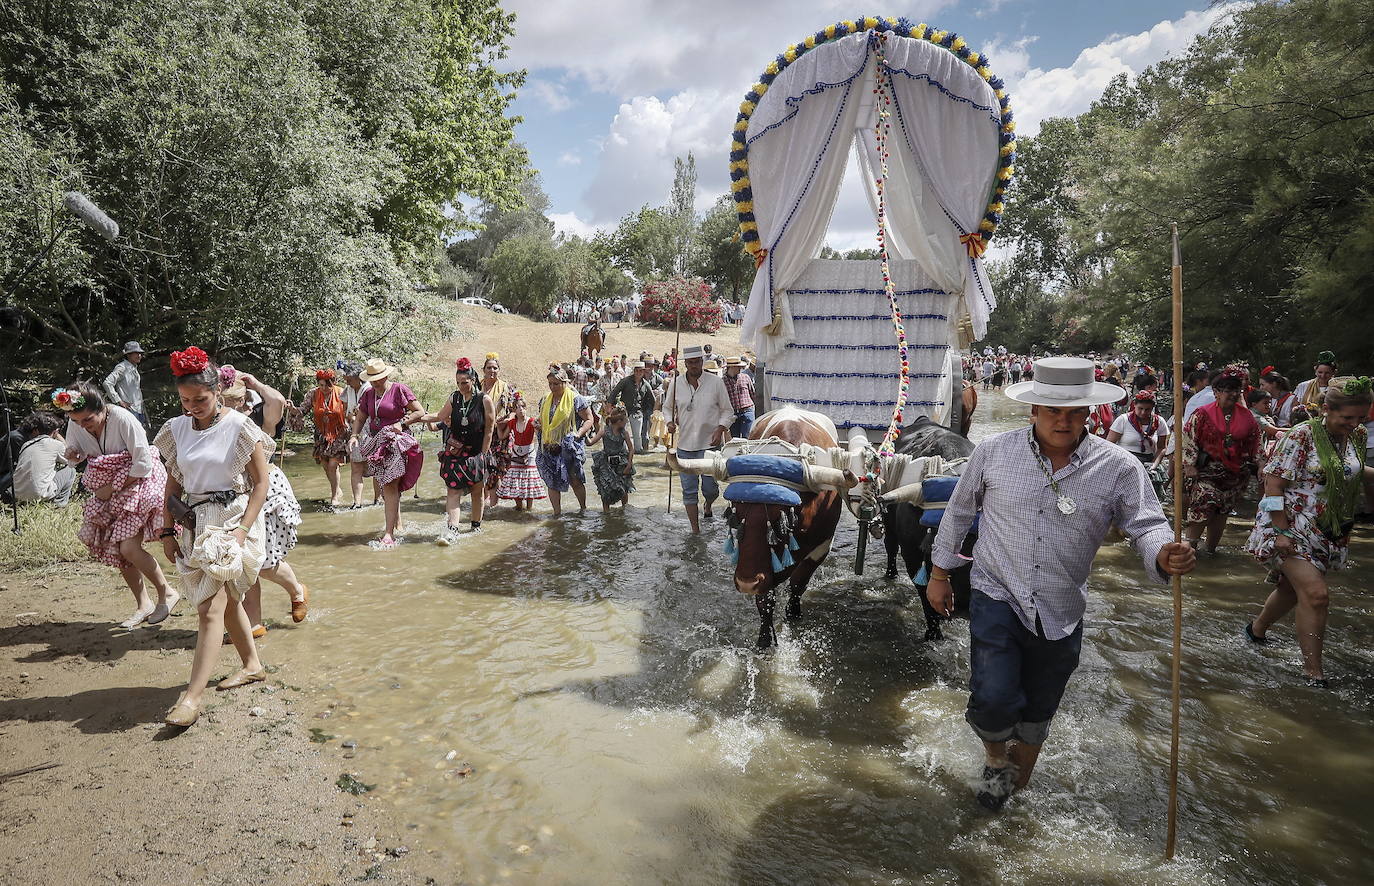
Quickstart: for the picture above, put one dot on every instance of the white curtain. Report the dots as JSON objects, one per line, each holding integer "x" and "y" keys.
{"x": 943, "y": 157}
{"x": 799, "y": 140}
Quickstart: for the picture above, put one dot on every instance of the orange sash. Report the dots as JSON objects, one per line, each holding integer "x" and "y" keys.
{"x": 328, "y": 407}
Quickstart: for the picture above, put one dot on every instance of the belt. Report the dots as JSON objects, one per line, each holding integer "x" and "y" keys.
{"x": 223, "y": 497}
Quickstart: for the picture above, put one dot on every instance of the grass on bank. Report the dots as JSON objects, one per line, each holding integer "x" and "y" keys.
{"x": 47, "y": 537}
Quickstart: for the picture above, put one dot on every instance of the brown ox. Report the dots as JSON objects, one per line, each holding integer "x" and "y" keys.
{"x": 814, "y": 527}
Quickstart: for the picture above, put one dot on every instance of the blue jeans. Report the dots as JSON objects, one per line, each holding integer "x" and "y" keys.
{"x": 744, "y": 423}
{"x": 1018, "y": 676}
{"x": 709, "y": 488}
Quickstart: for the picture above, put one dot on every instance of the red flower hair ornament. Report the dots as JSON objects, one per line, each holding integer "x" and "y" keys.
{"x": 324, "y": 375}
{"x": 189, "y": 361}
{"x": 464, "y": 364}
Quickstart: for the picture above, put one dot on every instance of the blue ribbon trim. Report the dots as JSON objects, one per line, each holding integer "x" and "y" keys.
{"x": 888, "y": 403}
{"x": 866, "y": 347}
{"x": 891, "y": 375}
{"x": 992, "y": 113}
{"x": 905, "y": 317}
{"x": 865, "y": 292}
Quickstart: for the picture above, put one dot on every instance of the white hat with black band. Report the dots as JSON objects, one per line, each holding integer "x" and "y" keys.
{"x": 1065, "y": 382}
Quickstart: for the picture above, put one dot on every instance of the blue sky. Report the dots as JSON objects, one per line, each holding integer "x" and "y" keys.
{"x": 617, "y": 88}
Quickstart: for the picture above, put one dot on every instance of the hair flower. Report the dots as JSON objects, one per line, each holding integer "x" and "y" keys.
{"x": 324, "y": 375}
{"x": 189, "y": 361}
{"x": 227, "y": 376}
{"x": 464, "y": 364}
{"x": 68, "y": 400}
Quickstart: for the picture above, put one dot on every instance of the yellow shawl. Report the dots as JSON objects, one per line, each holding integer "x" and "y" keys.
{"x": 556, "y": 420}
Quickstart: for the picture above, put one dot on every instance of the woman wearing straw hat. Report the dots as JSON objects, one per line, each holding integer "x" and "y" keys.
{"x": 386, "y": 410}
{"x": 1048, "y": 495}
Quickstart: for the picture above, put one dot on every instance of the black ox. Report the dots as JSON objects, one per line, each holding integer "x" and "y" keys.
{"x": 902, "y": 529}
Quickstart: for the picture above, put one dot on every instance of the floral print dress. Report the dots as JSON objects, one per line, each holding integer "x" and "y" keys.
{"x": 1295, "y": 460}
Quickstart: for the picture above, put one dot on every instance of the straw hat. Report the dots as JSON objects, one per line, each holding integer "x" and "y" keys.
{"x": 1065, "y": 382}
{"x": 733, "y": 361}
{"x": 375, "y": 369}
{"x": 693, "y": 352}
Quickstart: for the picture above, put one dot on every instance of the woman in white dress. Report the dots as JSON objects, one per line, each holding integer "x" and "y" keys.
{"x": 217, "y": 459}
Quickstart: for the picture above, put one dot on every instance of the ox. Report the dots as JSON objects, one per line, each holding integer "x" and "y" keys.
{"x": 902, "y": 529}
{"x": 764, "y": 529}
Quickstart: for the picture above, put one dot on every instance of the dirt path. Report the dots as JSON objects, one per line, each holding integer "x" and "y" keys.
{"x": 237, "y": 798}
{"x": 526, "y": 347}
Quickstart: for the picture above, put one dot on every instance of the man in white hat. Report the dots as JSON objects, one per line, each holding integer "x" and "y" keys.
{"x": 1048, "y": 494}
{"x": 740, "y": 387}
{"x": 124, "y": 384}
{"x": 699, "y": 411}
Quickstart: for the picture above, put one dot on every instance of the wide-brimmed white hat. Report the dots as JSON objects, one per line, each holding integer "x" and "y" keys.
{"x": 1065, "y": 382}
{"x": 376, "y": 368}
{"x": 693, "y": 352}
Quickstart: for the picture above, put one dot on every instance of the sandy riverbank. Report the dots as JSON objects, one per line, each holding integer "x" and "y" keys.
{"x": 244, "y": 796}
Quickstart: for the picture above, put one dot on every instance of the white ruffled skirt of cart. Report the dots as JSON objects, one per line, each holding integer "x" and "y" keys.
{"x": 214, "y": 558}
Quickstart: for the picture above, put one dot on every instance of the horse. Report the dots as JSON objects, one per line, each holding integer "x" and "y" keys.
{"x": 801, "y": 522}
{"x": 902, "y": 529}
{"x": 593, "y": 338}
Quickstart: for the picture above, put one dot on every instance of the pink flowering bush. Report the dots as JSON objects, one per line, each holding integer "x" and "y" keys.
{"x": 663, "y": 298}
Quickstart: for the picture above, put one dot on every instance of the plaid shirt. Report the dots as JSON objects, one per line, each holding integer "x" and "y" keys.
{"x": 1028, "y": 553}
{"x": 741, "y": 391}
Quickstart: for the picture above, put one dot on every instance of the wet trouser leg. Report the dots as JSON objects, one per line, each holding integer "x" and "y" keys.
{"x": 1017, "y": 676}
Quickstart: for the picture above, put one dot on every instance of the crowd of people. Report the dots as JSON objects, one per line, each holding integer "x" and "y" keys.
{"x": 205, "y": 485}
{"x": 1303, "y": 452}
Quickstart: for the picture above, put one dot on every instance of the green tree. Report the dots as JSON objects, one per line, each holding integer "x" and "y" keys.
{"x": 718, "y": 257}
{"x": 278, "y": 169}
{"x": 682, "y": 208}
{"x": 526, "y": 273}
{"x": 644, "y": 244}
{"x": 497, "y": 223}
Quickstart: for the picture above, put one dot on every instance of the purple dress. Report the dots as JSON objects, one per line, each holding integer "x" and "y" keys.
{"x": 390, "y": 455}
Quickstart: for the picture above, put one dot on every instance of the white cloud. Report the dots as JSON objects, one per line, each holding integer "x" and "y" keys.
{"x": 568, "y": 158}
{"x": 553, "y": 95}
{"x": 1064, "y": 92}
{"x": 644, "y": 47}
{"x": 635, "y": 165}
{"x": 569, "y": 223}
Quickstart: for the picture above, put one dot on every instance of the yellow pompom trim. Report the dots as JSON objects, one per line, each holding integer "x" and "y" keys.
{"x": 790, "y": 55}
{"x": 740, "y": 165}
{"x": 744, "y": 206}
{"x": 746, "y": 108}
{"x": 973, "y": 59}
{"x": 985, "y": 225}
{"x": 958, "y": 44}
{"x": 741, "y": 126}
{"x": 772, "y": 68}
{"x": 870, "y": 23}
{"x": 810, "y": 42}
{"x": 830, "y": 32}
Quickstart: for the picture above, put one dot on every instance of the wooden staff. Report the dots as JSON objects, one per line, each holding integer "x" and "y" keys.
{"x": 285, "y": 420}
{"x": 672, "y": 389}
{"x": 1178, "y": 537}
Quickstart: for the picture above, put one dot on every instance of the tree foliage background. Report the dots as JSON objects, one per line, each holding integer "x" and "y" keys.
{"x": 1259, "y": 143}
{"x": 280, "y": 172}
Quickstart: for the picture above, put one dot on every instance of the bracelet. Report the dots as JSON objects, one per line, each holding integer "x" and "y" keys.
{"x": 167, "y": 532}
{"x": 934, "y": 577}
{"x": 246, "y": 529}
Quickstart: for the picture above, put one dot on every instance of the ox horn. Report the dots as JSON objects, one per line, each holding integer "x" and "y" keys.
{"x": 712, "y": 465}
{"x": 911, "y": 493}
{"x": 819, "y": 478}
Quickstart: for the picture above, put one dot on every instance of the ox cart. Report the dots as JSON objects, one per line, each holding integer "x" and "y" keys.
{"x": 858, "y": 360}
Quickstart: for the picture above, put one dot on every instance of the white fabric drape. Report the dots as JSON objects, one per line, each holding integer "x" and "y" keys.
{"x": 843, "y": 361}
{"x": 799, "y": 139}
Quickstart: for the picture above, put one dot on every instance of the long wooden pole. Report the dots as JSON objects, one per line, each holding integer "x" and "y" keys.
{"x": 672, "y": 400}
{"x": 1178, "y": 537}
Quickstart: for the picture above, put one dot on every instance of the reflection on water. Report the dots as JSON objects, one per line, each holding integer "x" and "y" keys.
{"x": 598, "y": 676}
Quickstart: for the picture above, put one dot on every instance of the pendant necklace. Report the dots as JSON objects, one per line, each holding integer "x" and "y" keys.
{"x": 463, "y": 408}
{"x": 1065, "y": 504}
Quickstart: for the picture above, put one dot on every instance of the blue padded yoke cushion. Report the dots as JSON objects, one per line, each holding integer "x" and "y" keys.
{"x": 789, "y": 469}
{"x": 762, "y": 493}
{"x": 931, "y": 519}
{"x": 938, "y": 488}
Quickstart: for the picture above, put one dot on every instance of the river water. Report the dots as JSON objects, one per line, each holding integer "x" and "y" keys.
{"x": 597, "y": 675}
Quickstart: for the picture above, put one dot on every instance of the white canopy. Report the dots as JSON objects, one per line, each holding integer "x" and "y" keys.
{"x": 942, "y": 167}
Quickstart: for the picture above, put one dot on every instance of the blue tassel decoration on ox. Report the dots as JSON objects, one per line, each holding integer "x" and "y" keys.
{"x": 777, "y": 564}
{"x": 792, "y": 543}
{"x": 922, "y": 577}
{"x": 787, "y": 557}
{"x": 731, "y": 548}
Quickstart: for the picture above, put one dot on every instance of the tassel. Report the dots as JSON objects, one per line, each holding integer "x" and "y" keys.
{"x": 792, "y": 543}
{"x": 734, "y": 557}
{"x": 787, "y": 558}
{"x": 730, "y": 547}
{"x": 777, "y": 564}
{"x": 922, "y": 577}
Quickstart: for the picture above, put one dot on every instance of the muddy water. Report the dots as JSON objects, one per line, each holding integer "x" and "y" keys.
{"x": 596, "y": 674}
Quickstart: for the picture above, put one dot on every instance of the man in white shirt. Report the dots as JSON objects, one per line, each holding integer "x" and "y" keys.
{"x": 124, "y": 385}
{"x": 1200, "y": 399}
{"x": 699, "y": 412}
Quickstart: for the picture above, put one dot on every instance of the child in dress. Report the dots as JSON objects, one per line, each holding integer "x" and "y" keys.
{"x": 613, "y": 467}
{"x": 520, "y": 483}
